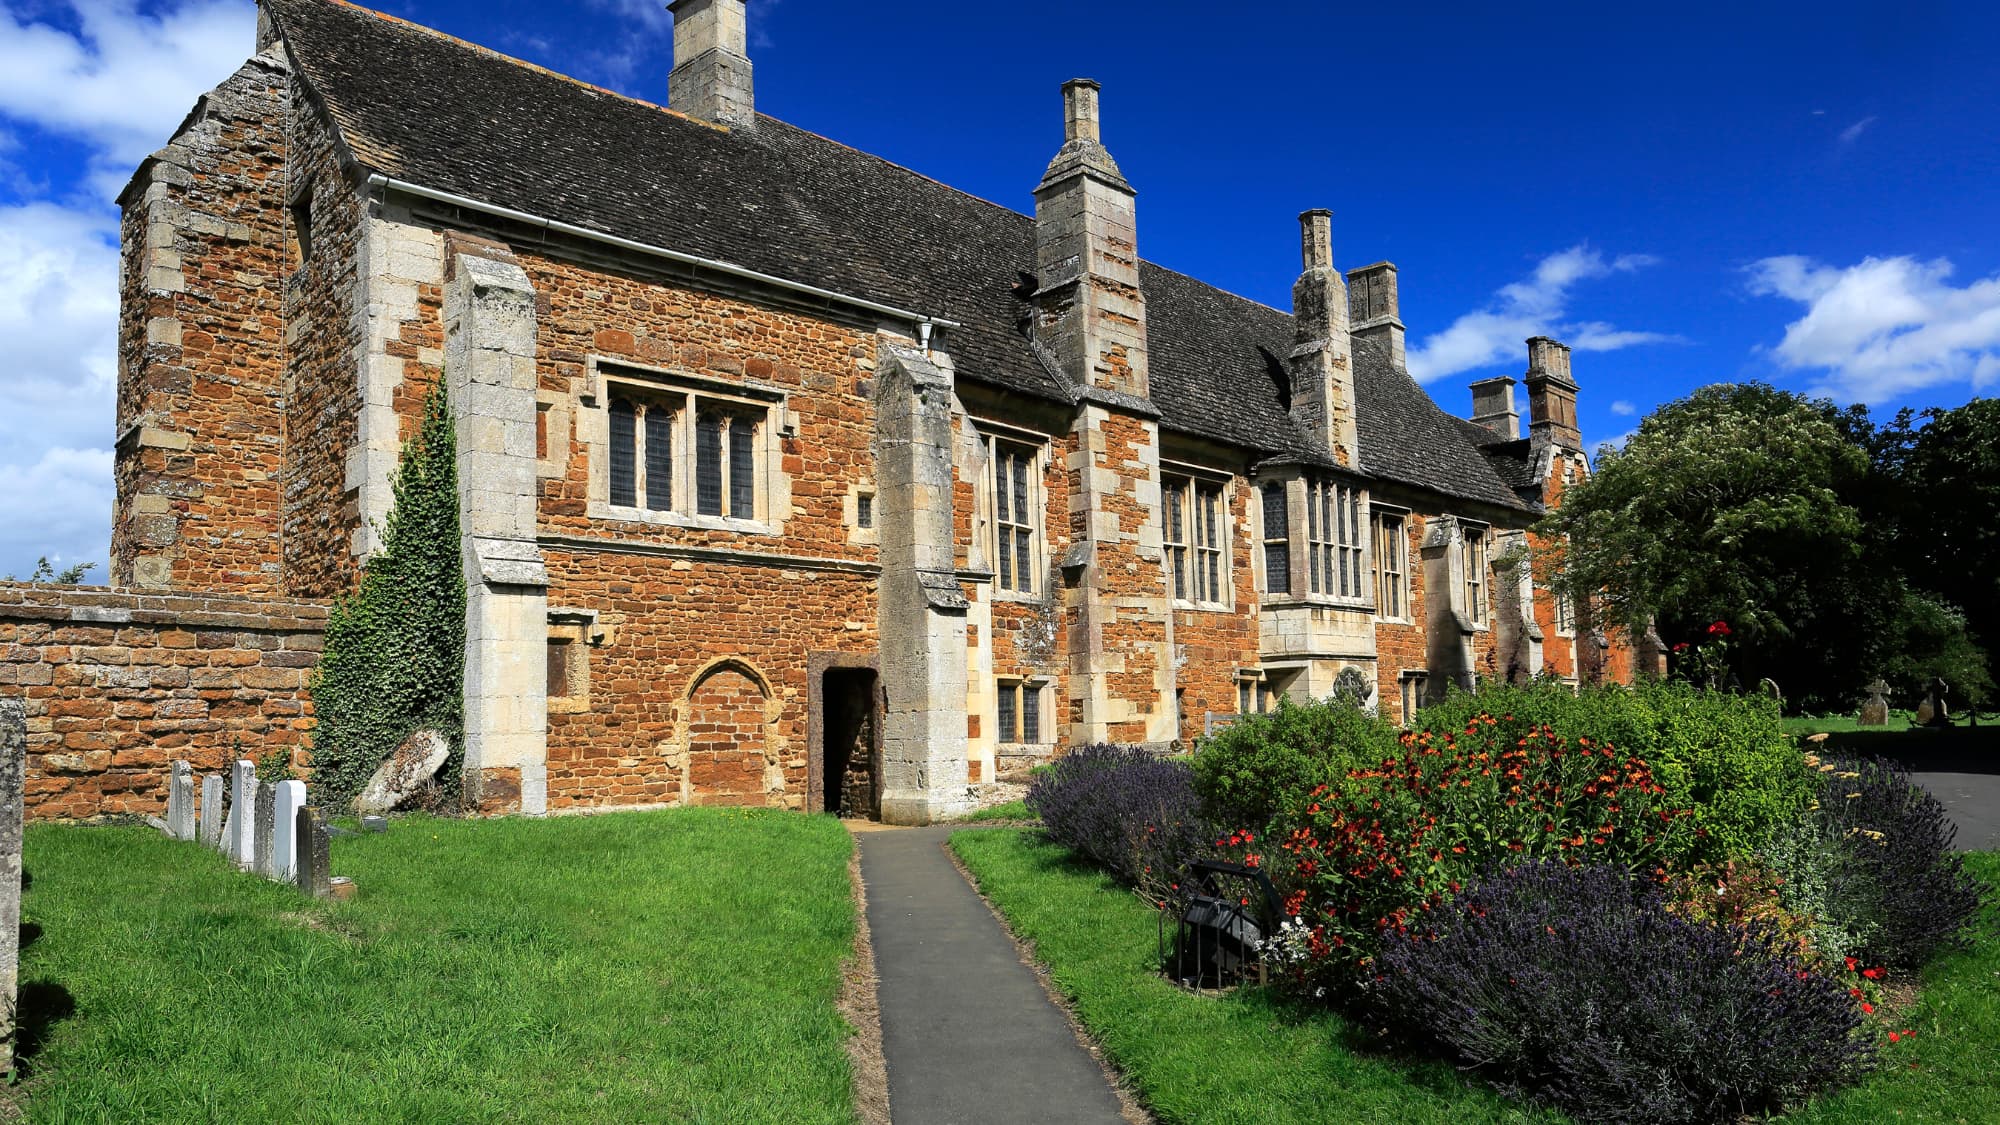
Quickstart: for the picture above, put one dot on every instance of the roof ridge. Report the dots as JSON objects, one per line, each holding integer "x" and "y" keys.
{"x": 480, "y": 48}
{"x": 502, "y": 56}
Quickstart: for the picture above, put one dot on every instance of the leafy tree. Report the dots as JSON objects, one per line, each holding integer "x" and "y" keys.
{"x": 45, "y": 574}
{"x": 394, "y": 659}
{"x": 1939, "y": 503}
{"x": 1734, "y": 503}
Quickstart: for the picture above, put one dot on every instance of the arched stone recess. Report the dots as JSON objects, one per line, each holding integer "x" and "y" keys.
{"x": 727, "y": 742}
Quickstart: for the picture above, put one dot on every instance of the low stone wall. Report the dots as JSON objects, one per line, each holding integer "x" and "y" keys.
{"x": 118, "y": 685}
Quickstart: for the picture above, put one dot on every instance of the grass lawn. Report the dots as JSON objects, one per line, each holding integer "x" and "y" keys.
{"x": 1242, "y": 1058}
{"x": 668, "y": 966}
{"x": 1012, "y": 810}
{"x": 1236, "y": 1059}
{"x": 1841, "y": 724}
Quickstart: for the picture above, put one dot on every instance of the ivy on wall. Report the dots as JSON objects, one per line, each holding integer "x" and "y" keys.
{"x": 395, "y": 649}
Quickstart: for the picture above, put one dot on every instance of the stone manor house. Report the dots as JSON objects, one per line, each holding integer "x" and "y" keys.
{"x": 787, "y": 475}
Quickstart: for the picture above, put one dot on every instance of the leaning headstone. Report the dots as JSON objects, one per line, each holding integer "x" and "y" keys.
{"x": 1926, "y": 712}
{"x": 266, "y": 823}
{"x": 180, "y": 802}
{"x": 13, "y": 760}
{"x": 405, "y": 774}
{"x": 212, "y": 787}
{"x": 243, "y": 814}
{"x": 291, "y": 797}
{"x": 1875, "y": 712}
{"x": 315, "y": 872}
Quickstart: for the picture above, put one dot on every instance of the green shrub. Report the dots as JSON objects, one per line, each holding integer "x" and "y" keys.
{"x": 1375, "y": 850}
{"x": 1260, "y": 764}
{"x": 1726, "y": 757}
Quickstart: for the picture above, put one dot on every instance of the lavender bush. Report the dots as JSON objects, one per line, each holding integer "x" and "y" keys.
{"x": 1893, "y": 879}
{"x": 1575, "y": 987}
{"x": 1131, "y": 811}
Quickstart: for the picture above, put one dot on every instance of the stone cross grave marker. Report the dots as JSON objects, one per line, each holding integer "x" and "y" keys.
{"x": 1875, "y": 712}
{"x": 266, "y": 821}
{"x": 291, "y": 797}
{"x": 13, "y": 762}
{"x": 243, "y": 814}
{"x": 212, "y": 795}
{"x": 180, "y": 802}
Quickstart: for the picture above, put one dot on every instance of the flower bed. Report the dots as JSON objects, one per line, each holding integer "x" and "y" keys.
{"x": 1713, "y": 912}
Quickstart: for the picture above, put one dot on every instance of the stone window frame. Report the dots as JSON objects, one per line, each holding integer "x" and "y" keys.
{"x": 771, "y": 404}
{"x": 1021, "y": 689}
{"x": 1334, "y": 543}
{"x": 1298, "y": 488}
{"x": 1272, "y": 544}
{"x": 1565, "y": 613}
{"x": 1476, "y": 573}
{"x": 992, "y": 436}
{"x": 1381, "y": 518}
{"x": 1190, "y": 482}
{"x": 862, "y": 499}
{"x": 1253, "y": 692}
{"x": 1412, "y": 682}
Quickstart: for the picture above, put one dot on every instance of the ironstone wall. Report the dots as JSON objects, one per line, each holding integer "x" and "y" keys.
{"x": 119, "y": 684}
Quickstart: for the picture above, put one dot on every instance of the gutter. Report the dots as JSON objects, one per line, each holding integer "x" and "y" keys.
{"x": 923, "y": 323}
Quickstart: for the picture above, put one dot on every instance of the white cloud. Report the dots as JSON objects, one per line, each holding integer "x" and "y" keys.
{"x": 1853, "y": 132}
{"x": 1621, "y": 407}
{"x": 58, "y": 316}
{"x": 1885, "y": 327}
{"x": 58, "y": 506}
{"x": 1615, "y": 442}
{"x": 124, "y": 78}
{"x": 1532, "y": 307}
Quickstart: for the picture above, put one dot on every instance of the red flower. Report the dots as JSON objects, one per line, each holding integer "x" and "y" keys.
{"x": 1895, "y": 1038}
{"x": 1852, "y": 964}
{"x": 1719, "y": 629}
{"x": 1867, "y": 1007}
{"x": 1681, "y": 647}
{"x": 1872, "y": 974}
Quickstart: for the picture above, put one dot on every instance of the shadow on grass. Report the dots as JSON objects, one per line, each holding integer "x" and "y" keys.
{"x": 42, "y": 1005}
{"x": 1951, "y": 750}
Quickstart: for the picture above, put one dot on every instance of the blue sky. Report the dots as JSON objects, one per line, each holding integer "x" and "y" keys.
{"x": 1807, "y": 193}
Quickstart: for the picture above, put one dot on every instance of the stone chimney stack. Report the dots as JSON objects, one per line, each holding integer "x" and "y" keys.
{"x": 711, "y": 79}
{"x": 1374, "y": 309}
{"x": 1493, "y": 406}
{"x": 1321, "y": 362}
{"x": 1551, "y": 394}
{"x": 1091, "y": 314}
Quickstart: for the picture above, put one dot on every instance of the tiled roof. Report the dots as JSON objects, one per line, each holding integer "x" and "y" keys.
{"x": 419, "y": 106}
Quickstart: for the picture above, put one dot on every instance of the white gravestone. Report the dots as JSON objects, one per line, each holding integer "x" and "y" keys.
{"x": 213, "y": 792}
{"x": 180, "y": 802}
{"x": 243, "y": 814}
{"x": 285, "y": 830}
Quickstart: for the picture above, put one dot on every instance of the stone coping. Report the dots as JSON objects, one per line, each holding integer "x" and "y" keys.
{"x": 103, "y": 605}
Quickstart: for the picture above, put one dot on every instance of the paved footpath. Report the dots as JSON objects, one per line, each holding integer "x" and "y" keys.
{"x": 969, "y": 1036}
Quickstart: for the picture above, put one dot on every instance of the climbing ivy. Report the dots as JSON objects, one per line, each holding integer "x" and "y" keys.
{"x": 395, "y": 648}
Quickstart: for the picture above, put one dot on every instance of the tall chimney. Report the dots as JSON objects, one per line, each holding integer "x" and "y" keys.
{"x": 1091, "y": 314}
{"x": 711, "y": 79}
{"x": 1493, "y": 406}
{"x": 1374, "y": 309}
{"x": 1551, "y": 394}
{"x": 1321, "y": 361}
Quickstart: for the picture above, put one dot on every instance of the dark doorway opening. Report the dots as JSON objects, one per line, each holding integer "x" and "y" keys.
{"x": 850, "y": 739}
